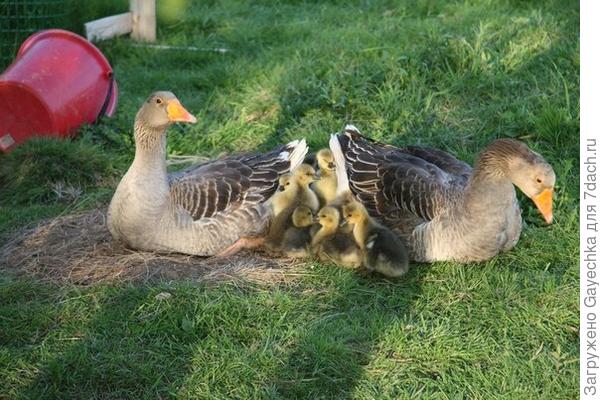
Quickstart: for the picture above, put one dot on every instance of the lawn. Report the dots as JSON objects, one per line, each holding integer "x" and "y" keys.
{"x": 453, "y": 74}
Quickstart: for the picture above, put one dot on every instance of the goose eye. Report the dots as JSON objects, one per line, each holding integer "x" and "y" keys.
{"x": 538, "y": 180}
{"x": 158, "y": 100}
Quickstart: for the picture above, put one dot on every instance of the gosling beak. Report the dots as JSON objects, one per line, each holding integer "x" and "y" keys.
{"x": 543, "y": 202}
{"x": 344, "y": 222}
{"x": 177, "y": 113}
{"x": 316, "y": 219}
{"x": 280, "y": 188}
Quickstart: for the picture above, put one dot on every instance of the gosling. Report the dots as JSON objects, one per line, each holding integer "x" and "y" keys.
{"x": 382, "y": 250}
{"x": 304, "y": 175}
{"x": 296, "y": 238}
{"x": 293, "y": 192}
{"x": 326, "y": 187}
{"x": 330, "y": 244}
{"x": 286, "y": 195}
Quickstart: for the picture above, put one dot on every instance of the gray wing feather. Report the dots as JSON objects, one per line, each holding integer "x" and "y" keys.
{"x": 227, "y": 184}
{"x": 396, "y": 182}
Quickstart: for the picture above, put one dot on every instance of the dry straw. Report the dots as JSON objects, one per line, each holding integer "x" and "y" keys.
{"x": 78, "y": 249}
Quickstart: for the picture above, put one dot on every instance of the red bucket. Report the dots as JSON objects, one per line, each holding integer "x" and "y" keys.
{"x": 58, "y": 82}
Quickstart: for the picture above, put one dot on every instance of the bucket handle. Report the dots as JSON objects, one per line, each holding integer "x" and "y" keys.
{"x": 111, "y": 82}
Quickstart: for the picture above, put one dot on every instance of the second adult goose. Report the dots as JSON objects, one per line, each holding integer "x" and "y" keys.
{"x": 441, "y": 207}
{"x": 203, "y": 209}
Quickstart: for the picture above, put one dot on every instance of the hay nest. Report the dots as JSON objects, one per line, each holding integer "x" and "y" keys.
{"x": 78, "y": 249}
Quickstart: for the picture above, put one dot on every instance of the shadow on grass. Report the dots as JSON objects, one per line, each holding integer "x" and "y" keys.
{"x": 331, "y": 354}
{"x": 121, "y": 352}
{"x": 223, "y": 341}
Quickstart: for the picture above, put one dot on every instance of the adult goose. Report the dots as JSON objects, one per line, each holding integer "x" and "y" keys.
{"x": 203, "y": 209}
{"x": 441, "y": 207}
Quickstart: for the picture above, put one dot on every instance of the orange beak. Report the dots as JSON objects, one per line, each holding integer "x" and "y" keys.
{"x": 177, "y": 113}
{"x": 543, "y": 202}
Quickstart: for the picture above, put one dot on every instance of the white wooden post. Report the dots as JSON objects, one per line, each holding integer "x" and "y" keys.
{"x": 109, "y": 27}
{"x": 143, "y": 18}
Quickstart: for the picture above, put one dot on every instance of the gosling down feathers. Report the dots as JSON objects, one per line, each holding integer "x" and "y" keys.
{"x": 203, "y": 209}
{"x": 442, "y": 208}
{"x": 296, "y": 238}
{"x": 332, "y": 244}
{"x": 305, "y": 175}
{"x": 285, "y": 198}
{"x": 383, "y": 251}
{"x": 326, "y": 187}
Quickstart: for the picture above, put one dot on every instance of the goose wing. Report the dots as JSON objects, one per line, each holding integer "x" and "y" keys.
{"x": 446, "y": 162}
{"x": 396, "y": 183}
{"x": 224, "y": 185}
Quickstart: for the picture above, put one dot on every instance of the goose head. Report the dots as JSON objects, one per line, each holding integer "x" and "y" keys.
{"x": 305, "y": 175}
{"x": 526, "y": 169}
{"x": 536, "y": 178}
{"x": 302, "y": 217}
{"x": 328, "y": 217}
{"x": 162, "y": 109}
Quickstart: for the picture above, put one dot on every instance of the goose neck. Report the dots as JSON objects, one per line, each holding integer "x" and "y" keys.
{"x": 498, "y": 159}
{"x": 491, "y": 182}
{"x": 490, "y": 165}
{"x": 150, "y": 145}
{"x": 488, "y": 196}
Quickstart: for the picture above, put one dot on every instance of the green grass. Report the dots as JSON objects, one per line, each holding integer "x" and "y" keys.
{"x": 453, "y": 74}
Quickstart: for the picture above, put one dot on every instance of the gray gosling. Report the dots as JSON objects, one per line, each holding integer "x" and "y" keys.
{"x": 296, "y": 238}
{"x": 383, "y": 251}
{"x": 330, "y": 244}
{"x": 338, "y": 202}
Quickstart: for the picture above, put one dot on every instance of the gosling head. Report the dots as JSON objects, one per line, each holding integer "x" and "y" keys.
{"x": 354, "y": 212}
{"x": 162, "y": 109}
{"x": 532, "y": 174}
{"x": 328, "y": 217}
{"x": 305, "y": 174}
{"x": 302, "y": 217}
{"x": 287, "y": 182}
{"x": 325, "y": 160}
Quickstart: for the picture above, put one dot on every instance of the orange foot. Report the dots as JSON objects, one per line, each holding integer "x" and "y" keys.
{"x": 242, "y": 243}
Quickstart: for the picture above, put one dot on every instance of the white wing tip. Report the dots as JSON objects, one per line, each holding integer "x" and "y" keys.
{"x": 285, "y": 155}
{"x": 296, "y": 156}
{"x": 340, "y": 161}
{"x": 351, "y": 128}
